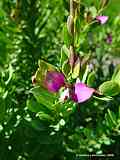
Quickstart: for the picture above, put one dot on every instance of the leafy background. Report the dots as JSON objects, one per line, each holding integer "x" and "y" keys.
{"x": 30, "y": 31}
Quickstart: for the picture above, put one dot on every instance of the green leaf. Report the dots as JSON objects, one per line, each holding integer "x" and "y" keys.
{"x": 2, "y": 14}
{"x": 119, "y": 112}
{"x": 41, "y": 71}
{"x": 91, "y": 79}
{"x": 64, "y": 60}
{"x": 116, "y": 75}
{"x": 115, "y": 72}
{"x": 2, "y": 109}
{"x": 66, "y": 68}
{"x": 107, "y": 98}
{"x": 43, "y": 96}
{"x": 110, "y": 119}
{"x": 36, "y": 107}
{"x": 109, "y": 88}
{"x": 93, "y": 11}
{"x": 85, "y": 74}
{"x": 44, "y": 116}
{"x": 5, "y": 95}
{"x": 46, "y": 65}
{"x": 87, "y": 132}
{"x": 10, "y": 74}
{"x": 64, "y": 54}
{"x": 76, "y": 69}
{"x": 104, "y": 3}
{"x": 37, "y": 125}
{"x": 66, "y": 50}
{"x": 67, "y": 38}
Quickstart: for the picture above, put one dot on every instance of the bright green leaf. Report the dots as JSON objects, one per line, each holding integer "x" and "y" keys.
{"x": 76, "y": 69}
{"x": 10, "y": 74}
{"x": 107, "y": 98}
{"x": 109, "y": 88}
{"x": 116, "y": 75}
{"x": 66, "y": 68}
{"x": 44, "y": 116}
{"x": 91, "y": 79}
{"x": 67, "y": 38}
{"x": 64, "y": 54}
{"x": 41, "y": 71}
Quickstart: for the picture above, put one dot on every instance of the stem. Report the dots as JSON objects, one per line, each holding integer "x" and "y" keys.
{"x": 71, "y": 25}
{"x": 72, "y": 14}
{"x": 71, "y": 8}
{"x": 85, "y": 74}
{"x": 74, "y": 10}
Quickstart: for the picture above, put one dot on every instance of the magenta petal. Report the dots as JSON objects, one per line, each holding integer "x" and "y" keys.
{"x": 83, "y": 92}
{"x": 102, "y": 19}
{"x": 54, "y": 81}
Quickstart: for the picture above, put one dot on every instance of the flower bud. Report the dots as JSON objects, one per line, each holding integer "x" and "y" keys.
{"x": 54, "y": 81}
{"x": 72, "y": 58}
{"x": 70, "y": 25}
{"x": 104, "y": 3}
{"x": 102, "y": 19}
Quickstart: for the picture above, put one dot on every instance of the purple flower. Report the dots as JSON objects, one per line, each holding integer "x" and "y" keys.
{"x": 109, "y": 39}
{"x": 82, "y": 92}
{"x": 54, "y": 81}
{"x": 102, "y": 19}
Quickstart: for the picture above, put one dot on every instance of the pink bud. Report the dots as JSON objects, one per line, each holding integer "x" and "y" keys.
{"x": 102, "y": 19}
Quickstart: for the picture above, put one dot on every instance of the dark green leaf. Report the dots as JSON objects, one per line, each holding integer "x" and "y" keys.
{"x": 43, "y": 96}
{"x": 36, "y": 107}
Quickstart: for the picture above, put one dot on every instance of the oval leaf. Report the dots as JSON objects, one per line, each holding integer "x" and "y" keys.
{"x": 109, "y": 88}
{"x": 116, "y": 75}
{"x": 43, "y": 96}
{"x": 91, "y": 79}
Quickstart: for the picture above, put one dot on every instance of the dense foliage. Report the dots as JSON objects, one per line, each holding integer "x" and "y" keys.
{"x": 35, "y": 39}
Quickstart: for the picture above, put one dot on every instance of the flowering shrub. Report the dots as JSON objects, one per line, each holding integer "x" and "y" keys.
{"x": 73, "y": 107}
{"x": 72, "y": 97}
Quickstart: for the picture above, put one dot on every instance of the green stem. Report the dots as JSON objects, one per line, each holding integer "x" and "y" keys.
{"x": 72, "y": 8}
{"x": 85, "y": 74}
{"x": 111, "y": 117}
